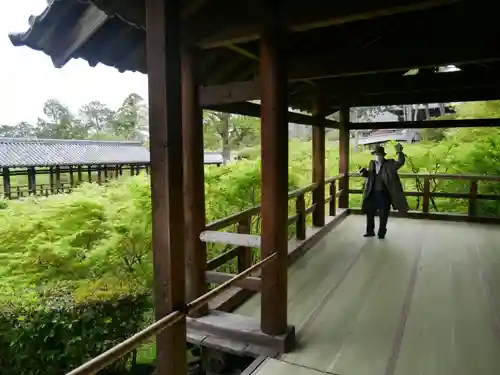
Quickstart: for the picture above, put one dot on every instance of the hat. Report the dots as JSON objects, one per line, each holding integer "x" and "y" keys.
{"x": 379, "y": 150}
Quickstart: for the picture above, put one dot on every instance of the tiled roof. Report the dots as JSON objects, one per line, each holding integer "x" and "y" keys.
{"x": 18, "y": 152}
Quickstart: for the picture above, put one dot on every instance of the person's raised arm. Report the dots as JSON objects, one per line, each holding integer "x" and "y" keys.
{"x": 400, "y": 161}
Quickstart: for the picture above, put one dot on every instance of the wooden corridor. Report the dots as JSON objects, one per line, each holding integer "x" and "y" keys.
{"x": 426, "y": 300}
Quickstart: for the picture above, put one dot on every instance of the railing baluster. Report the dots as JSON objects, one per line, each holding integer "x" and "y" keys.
{"x": 473, "y": 199}
{"x": 300, "y": 207}
{"x": 333, "y": 198}
{"x": 427, "y": 194}
{"x": 245, "y": 253}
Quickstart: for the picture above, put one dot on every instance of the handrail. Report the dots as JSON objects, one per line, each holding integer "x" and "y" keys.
{"x": 232, "y": 219}
{"x": 443, "y": 176}
{"x": 424, "y": 190}
{"x": 100, "y": 362}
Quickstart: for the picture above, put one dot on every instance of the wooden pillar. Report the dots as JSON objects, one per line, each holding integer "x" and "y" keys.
{"x": 89, "y": 172}
{"x": 58, "y": 179}
{"x": 167, "y": 195}
{"x": 32, "y": 180}
{"x": 51, "y": 177}
{"x": 318, "y": 151}
{"x": 105, "y": 173}
{"x": 99, "y": 174}
{"x": 344, "y": 156}
{"x": 6, "y": 182}
{"x": 274, "y": 176}
{"x": 194, "y": 179}
{"x": 71, "y": 177}
{"x": 79, "y": 174}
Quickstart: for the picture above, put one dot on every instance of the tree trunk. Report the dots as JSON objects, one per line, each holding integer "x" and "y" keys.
{"x": 224, "y": 127}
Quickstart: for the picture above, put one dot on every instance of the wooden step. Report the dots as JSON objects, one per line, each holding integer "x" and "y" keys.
{"x": 237, "y": 334}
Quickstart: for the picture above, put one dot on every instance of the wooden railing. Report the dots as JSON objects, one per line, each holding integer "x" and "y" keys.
{"x": 426, "y": 191}
{"x": 120, "y": 350}
{"x": 243, "y": 221}
{"x": 63, "y": 179}
{"x": 244, "y": 277}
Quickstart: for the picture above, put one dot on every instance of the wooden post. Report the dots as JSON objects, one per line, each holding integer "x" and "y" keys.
{"x": 51, "y": 176}
{"x": 132, "y": 171}
{"x": 333, "y": 198}
{"x": 318, "y": 150}
{"x": 58, "y": 179}
{"x": 89, "y": 171}
{"x": 245, "y": 253}
{"x": 79, "y": 174}
{"x": 300, "y": 208}
{"x": 105, "y": 167}
{"x": 167, "y": 195}
{"x": 274, "y": 176}
{"x": 71, "y": 177}
{"x": 6, "y": 182}
{"x": 427, "y": 194}
{"x": 473, "y": 199}
{"x": 344, "y": 156}
{"x": 32, "y": 180}
{"x": 194, "y": 180}
{"x": 99, "y": 174}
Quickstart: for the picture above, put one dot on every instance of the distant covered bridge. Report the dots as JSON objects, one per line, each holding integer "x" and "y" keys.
{"x": 26, "y": 163}
{"x": 408, "y": 136}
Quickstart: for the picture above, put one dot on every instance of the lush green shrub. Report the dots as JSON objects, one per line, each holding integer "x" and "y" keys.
{"x": 55, "y": 333}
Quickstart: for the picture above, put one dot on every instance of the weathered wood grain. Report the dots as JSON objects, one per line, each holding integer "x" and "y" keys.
{"x": 426, "y": 300}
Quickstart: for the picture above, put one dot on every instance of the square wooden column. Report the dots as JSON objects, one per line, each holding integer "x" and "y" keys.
{"x": 194, "y": 179}
{"x": 318, "y": 151}
{"x": 165, "y": 116}
{"x": 344, "y": 150}
{"x": 274, "y": 178}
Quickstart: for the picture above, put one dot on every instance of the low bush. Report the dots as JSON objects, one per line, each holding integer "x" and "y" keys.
{"x": 55, "y": 333}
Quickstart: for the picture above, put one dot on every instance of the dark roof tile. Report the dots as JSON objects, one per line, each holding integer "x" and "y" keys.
{"x": 49, "y": 152}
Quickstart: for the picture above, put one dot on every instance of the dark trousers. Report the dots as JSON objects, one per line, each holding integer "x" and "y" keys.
{"x": 378, "y": 201}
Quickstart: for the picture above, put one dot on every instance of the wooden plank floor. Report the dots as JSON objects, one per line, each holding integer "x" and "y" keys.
{"x": 426, "y": 300}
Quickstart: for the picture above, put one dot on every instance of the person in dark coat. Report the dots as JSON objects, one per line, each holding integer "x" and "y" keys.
{"x": 382, "y": 189}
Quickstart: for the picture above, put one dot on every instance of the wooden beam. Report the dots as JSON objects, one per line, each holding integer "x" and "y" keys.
{"x": 167, "y": 193}
{"x": 86, "y": 26}
{"x": 365, "y": 85}
{"x": 234, "y": 92}
{"x": 458, "y": 95}
{"x": 241, "y": 25}
{"x": 274, "y": 175}
{"x": 386, "y": 84}
{"x": 462, "y": 123}
{"x": 376, "y": 60}
{"x": 318, "y": 167}
{"x": 227, "y": 238}
{"x": 194, "y": 180}
{"x": 344, "y": 151}
{"x": 249, "y": 283}
{"x": 254, "y": 110}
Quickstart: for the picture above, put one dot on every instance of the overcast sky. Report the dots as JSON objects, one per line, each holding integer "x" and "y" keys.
{"x": 28, "y": 78}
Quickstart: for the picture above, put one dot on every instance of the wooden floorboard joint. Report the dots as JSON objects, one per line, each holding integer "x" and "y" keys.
{"x": 405, "y": 310}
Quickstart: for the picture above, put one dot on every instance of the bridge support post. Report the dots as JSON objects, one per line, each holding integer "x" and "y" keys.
{"x": 318, "y": 151}
{"x": 194, "y": 180}
{"x": 344, "y": 151}
{"x": 274, "y": 174}
{"x": 163, "y": 51}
